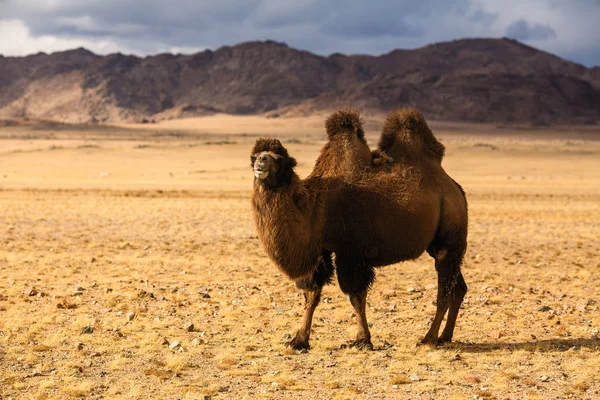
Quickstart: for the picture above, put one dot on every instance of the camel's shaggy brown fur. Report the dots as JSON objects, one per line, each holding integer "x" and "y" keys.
{"x": 367, "y": 215}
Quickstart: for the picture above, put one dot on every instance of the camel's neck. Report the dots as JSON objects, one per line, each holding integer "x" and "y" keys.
{"x": 289, "y": 221}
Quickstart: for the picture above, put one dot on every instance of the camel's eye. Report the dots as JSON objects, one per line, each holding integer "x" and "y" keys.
{"x": 252, "y": 160}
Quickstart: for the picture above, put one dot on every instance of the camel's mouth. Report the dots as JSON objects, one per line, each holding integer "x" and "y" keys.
{"x": 260, "y": 174}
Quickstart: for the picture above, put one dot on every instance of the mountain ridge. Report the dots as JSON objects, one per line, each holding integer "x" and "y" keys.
{"x": 476, "y": 80}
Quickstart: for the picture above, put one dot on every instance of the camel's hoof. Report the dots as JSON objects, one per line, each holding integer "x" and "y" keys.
{"x": 443, "y": 340}
{"x": 298, "y": 343}
{"x": 429, "y": 341}
{"x": 362, "y": 344}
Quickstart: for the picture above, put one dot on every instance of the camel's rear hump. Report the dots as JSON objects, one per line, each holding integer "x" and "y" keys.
{"x": 406, "y": 133}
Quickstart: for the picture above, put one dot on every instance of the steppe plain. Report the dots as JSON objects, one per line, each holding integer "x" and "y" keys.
{"x": 114, "y": 239}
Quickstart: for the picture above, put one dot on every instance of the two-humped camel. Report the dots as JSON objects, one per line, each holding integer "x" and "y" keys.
{"x": 370, "y": 209}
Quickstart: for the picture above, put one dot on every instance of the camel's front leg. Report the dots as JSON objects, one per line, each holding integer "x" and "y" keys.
{"x": 312, "y": 298}
{"x": 312, "y": 288}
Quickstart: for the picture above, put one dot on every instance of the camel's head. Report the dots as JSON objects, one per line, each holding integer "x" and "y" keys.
{"x": 346, "y": 123}
{"x": 271, "y": 163}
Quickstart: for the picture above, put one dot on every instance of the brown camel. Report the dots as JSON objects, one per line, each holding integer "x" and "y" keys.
{"x": 370, "y": 209}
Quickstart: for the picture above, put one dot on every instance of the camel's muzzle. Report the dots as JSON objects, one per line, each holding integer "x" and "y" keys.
{"x": 260, "y": 174}
{"x": 261, "y": 168}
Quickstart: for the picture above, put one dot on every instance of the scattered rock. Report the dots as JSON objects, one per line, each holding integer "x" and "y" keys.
{"x": 130, "y": 316}
{"x": 87, "y": 330}
{"x": 431, "y": 286}
{"x": 144, "y": 294}
{"x": 163, "y": 341}
{"x": 79, "y": 346}
{"x": 456, "y": 357}
{"x": 472, "y": 379}
{"x": 286, "y": 336}
{"x": 544, "y": 378}
{"x": 495, "y": 334}
{"x": 414, "y": 378}
{"x": 36, "y": 372}
{"x": 174, "y": 345}
{"x": 412, "y": 290}
{"x": 197, "y": 341}
{"x": 30, "y": 292}
{"x": 582, "y": 305}
{"x": 206, "y": 296}
{"x": 189, "y": 327}
{"x": 544, "y": 308}
{"x": 66, "y": 305}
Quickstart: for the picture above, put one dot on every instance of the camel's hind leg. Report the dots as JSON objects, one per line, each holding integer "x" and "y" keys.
{"x": 460, "y": 290}
{"x": 451, "y": 291}
{"x": 312, "y": 288}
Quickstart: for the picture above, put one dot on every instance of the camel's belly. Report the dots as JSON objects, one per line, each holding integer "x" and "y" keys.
{"x": 382, "y": 231}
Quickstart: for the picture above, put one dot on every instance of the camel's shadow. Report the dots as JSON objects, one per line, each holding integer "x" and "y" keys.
{"x": 539, "y": 346}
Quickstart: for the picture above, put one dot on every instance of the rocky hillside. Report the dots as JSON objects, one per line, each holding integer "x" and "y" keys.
{"x": 483, "y": 80}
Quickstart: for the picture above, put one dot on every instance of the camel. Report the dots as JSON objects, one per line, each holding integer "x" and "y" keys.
{"x": 370, "y": 209}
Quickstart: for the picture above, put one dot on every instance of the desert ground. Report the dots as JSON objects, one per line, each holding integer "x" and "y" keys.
{"x": 113, "y": 240}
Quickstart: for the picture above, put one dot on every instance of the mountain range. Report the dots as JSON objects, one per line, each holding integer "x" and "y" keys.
{"x": 477, "y": 80}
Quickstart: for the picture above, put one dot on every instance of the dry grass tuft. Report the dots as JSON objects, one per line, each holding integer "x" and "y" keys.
{"x": 77, "y": 389}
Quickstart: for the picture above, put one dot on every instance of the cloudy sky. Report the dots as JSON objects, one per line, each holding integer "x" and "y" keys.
{"x": 569, "y": 28}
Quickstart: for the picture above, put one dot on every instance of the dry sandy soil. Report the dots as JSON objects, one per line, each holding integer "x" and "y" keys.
{"x": 113, "y": 240}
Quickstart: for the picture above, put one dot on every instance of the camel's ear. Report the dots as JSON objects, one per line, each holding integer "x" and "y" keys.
{"x": 291, "y": 162}
{"x": 344, "y": 122}
{"x": 286, "y": 162}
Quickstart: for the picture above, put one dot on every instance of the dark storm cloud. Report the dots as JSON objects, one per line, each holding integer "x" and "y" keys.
{"x": 484, "y": 17}
{"x": 523, "y": 30}
{"x": 323, "y": 26}
{"x": 129, "y": 18}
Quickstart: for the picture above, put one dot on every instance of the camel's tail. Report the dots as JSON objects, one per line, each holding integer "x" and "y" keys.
{"x": 345, "y": 122}
{"x": 405, "y": 130}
